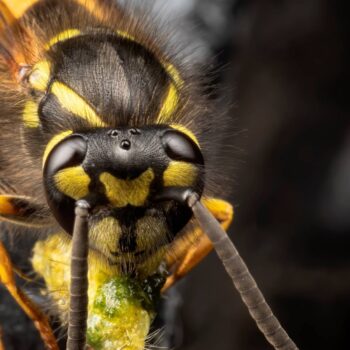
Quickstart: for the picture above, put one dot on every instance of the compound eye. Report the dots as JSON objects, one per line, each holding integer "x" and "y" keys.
{"x": 180, "y": 147}
{"x": 68, "y": 153}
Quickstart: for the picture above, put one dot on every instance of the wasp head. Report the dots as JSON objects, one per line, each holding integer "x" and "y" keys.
{"x": 104, "y": 106}
{"x": 122, "y": 173}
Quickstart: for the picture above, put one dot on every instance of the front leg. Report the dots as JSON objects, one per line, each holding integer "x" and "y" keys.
{"x": 7, "y": 278}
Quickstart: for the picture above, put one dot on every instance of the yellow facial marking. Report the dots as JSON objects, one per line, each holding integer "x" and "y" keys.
{"x": 53, "y": 142}
{"x": 6, "y": 207}
{"x": 179, "y": 174}
{"x": 171, "y": 100}
{"x": 31, "y": 115}
{"x": 123, "y": 192}
{"x": 104, "y": 234}
{"x": 73, "y": 182}
{"x": 75, "y": 104}
{"x": 63, "y": 36}
{"x": 169, "y": 104}
{"x": 40, "y": 76}
{"x": 174, "y": 74}
{"x": 185, "y": 131}
{"x": 125, "y": 35}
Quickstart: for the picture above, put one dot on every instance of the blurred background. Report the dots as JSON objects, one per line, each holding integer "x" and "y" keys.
{"x": 285, "y": 64}
{"x": 284, "y": 69}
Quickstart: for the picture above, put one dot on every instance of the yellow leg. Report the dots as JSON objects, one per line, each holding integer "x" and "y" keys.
{"x": 191, "y": 249}
{"x": 23, "y": 211}
{"x": 41, "y": 322}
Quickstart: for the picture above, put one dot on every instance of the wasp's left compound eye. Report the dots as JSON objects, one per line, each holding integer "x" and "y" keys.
{"x": 69, "y": 152}
{"x": 180, "y": 147}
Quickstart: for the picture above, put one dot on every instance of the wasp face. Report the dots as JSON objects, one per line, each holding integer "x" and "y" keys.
{"x": 121, "y": 172}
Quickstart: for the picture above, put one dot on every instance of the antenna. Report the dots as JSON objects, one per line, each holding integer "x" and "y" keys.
{"x": 236, "y": 268}
{"x": 78, "y": 305}
{"x": 240, "y": 275}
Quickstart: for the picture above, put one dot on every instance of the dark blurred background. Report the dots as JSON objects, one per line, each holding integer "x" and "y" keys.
{"x": 289, "y": 75}
{"x": 284, "y": 67}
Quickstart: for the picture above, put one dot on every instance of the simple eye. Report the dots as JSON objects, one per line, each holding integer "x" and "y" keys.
{"x": 179, "y": 146}
{"x": 68, "y": 153}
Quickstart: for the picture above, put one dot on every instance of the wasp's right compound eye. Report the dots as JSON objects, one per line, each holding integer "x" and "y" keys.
{"x": 180, "y": 147}
{"x": 68, "y": 153}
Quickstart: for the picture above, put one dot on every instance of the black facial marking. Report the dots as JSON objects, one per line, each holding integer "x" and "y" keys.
{"x": 120, "y": 78}
{"x": 127, "y": 218}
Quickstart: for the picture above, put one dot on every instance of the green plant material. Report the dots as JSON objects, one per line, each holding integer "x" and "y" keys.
{"x": 121, "y": 309}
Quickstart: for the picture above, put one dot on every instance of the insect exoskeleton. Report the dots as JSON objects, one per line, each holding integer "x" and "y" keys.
{"x": 98, "y": 110}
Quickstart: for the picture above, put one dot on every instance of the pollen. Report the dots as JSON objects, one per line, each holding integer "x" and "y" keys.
{"x": 119, "y": 312}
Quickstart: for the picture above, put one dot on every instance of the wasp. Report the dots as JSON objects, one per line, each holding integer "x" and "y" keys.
{"x": 97, "y": 107}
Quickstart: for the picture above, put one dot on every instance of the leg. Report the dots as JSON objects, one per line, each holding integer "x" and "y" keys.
{"x": 191, "y": 249}
{"x": 22, "y": 210}
{"x": 7, "y": 278}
